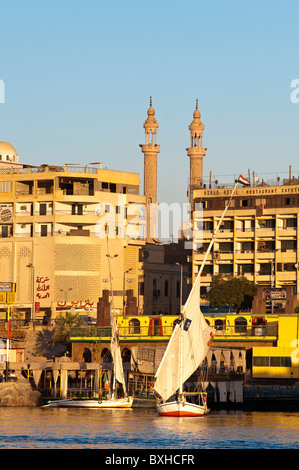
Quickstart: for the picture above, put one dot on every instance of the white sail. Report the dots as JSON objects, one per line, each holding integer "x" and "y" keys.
{"x": 190, "y": 341}
{"x": 116, "y": 355}
{"x": 117, "y": 361}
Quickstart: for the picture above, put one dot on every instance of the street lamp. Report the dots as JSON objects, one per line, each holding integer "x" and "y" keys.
{"x": 30, "y": 265}
{"x": 124, "y": 287}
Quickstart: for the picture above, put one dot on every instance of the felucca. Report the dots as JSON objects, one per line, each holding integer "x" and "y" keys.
{"x": 187, "y": 348}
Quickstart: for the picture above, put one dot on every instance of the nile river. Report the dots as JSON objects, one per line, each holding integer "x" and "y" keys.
{"x": 37, "y": 428}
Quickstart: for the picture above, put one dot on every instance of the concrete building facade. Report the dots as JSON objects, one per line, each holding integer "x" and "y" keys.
{"x": 58, "y": 224}
{"x": 258, "y": 237}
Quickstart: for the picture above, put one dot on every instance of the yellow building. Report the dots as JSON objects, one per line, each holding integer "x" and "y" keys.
{"x": 280, "y": 361}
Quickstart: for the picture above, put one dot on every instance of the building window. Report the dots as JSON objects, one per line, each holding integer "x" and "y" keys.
{"x": 134, "y": 327}
{"x": 261, "y": 361}
{"x": 155, "y": 327}
{"x": 43, "y": 209}
{"x": 166, "y": 288}
{"x": 288, "y": 245}
{"x": 4, "y": 231}
{"x": 219, "y": 324}
{"x": 225, "y": 269}
{"x": 156, "y": 292}
{"x": 77, "y": 209}
{"x": 141, "y": 288}
{"x": 277, "y": 361}
{"x": 240, "y": 325}
{"x": 43, "y": 230}
{"x": 208, "y": 225}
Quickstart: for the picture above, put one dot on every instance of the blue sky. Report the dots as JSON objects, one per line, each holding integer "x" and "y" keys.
{"x": 78, "y": 76}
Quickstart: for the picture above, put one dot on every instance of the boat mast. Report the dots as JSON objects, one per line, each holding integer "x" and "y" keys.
{"x": 112, "y": 321}
{"x": 197, "y": 280}
{"x": 181, "y": 357}
{"x": 212, "y": 241}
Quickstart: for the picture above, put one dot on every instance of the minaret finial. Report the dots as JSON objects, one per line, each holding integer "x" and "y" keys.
{"x": 150, "y": 101}
{"x": 197, "y": 103}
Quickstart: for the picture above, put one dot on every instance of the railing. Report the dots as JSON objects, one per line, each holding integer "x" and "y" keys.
{"x": 123, "y": 332}
{"x": 99, "y": 332}
{"x": 24, "y": 324}
{"x": 244, "y": 330}
{"x": 264, "y": 179}
{"x": 136, "y": 332}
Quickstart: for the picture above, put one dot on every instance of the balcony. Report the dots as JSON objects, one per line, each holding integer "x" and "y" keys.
{"x": 245, "y": 233}
{"x": 225, "y": 233}
{"x": 265, "y": 255}
{"x": 286, "y": 276}
{"x": 287, "y": 232}
{"x": 244, "y": 255}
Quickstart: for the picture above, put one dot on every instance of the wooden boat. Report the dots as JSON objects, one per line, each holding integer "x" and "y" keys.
{"x": 109, "y": 403}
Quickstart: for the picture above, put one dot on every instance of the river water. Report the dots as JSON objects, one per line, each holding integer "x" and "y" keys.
{"x": 46, "y": 428}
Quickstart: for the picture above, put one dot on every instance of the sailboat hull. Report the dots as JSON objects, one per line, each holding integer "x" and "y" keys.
{"x": 110, "y": 403}
{"x": 178, "y": 409}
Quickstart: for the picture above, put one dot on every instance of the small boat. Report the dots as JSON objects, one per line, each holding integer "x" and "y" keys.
{"x": 187, "y": 348}
{"x": 109, "y": 403}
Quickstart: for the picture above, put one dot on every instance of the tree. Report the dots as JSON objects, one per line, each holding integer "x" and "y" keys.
{"x": 63, "y": 325}
{"x": 236, "y": 292}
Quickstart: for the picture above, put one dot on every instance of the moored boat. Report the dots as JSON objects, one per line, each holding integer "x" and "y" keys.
{"x": 109, "y": 403}
{"x": 179, "y": 408}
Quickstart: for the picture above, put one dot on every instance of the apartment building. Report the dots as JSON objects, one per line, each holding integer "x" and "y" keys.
{"x": 258, "y": 237}
{"x": 57, "y": 226}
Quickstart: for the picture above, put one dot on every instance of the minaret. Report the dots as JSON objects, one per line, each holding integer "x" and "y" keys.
{"x": 196, "y": 152}
{"x": 150, "y": 150}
